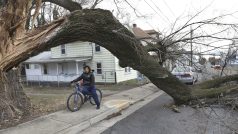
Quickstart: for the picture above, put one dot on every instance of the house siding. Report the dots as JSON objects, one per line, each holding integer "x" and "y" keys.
{"x": 33, "y": 71}
{"x": 106, "y": 58}
{"x": 75, "y": 49}
{"x": 121, "y": 75}
{"x": 111, "y": 72}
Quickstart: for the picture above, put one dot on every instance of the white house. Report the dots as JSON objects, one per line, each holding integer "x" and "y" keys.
{"x": 150, "y": 36}
{"x": 64, "y": 63}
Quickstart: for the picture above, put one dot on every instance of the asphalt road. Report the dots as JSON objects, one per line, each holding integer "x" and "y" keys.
{"x": 157, "y": 118}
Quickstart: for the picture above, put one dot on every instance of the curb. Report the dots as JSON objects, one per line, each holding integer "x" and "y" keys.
{"x": 86, "y": 124}
{"x": 75, "y": 129}
{"x": 64, "y": 127}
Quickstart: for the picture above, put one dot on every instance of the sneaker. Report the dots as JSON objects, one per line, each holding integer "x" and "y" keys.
{"x": 98, "y": 107}
{"x": 75, "y": 109}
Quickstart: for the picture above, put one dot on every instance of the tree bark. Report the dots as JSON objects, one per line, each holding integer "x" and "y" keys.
{"x": 13, "y": 101}
{"x": 217, "y": 82}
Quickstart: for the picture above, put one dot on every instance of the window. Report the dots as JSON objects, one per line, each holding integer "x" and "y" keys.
{"x": 45, "y": 69}
{"x": 63, "y": 50}
{"x": 99, "y": 68}
{"x": 36, "y": 66}
{"x": 127, "y": 69}
{"x": 27, "y": 66}
{"x": 97, "y": 48}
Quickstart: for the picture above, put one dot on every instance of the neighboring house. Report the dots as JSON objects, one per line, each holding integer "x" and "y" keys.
{"x": 145, "y": 37}
{"x": 64, "y": 63}
{"x": 151, "y": 36}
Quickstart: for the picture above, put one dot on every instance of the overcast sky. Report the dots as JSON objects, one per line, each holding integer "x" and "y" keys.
{"x": 161, "y": 14}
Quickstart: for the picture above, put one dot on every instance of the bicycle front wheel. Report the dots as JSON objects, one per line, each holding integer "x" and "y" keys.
{"x": 99, "y": 93}
{"x": 74, "y": 102}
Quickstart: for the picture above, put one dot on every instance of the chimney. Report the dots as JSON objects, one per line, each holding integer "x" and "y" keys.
{"x": 134, "y": 25}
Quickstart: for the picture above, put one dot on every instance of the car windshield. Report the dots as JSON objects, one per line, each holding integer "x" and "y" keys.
{"x": 181, "y": 69}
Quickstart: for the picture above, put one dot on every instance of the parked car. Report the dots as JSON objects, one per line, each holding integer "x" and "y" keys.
{"x": 186, "y": 74}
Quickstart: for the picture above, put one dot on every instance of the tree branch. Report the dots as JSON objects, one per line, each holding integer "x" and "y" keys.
{"x": 95, "y": 4}
{"x": 101, "y": 27}
{"x": 67, "y": 4}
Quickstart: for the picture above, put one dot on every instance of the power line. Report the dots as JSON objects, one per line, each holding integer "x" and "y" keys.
{"x": 169, "y": 8}
{"x": 136, "y": 11}
{"x": 157, "y": 8}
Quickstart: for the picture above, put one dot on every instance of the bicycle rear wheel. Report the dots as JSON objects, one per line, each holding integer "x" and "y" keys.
{"x": 99, "y": 93}
{"x": 74, "y": 102}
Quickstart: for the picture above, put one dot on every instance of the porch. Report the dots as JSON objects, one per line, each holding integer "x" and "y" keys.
{"x": 44, "y": 68}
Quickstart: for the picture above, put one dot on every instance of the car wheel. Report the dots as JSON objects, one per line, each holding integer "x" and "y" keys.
{"x": 193, "y": 82}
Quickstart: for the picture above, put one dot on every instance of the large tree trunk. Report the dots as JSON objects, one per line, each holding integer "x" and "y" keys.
{"x": 16, "y": 45}
{"x": 101, "y": 27}
{"x": 13, "y": 101}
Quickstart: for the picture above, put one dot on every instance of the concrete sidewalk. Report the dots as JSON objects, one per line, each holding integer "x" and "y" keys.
{"x": 65, "y": 122}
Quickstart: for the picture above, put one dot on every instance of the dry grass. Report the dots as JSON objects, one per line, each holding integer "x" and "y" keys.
{"x": 51, "y": 99}
{"x": 47, "y": 99}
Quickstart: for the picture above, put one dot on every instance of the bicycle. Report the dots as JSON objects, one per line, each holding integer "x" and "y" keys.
{"x": 79, "y": 99}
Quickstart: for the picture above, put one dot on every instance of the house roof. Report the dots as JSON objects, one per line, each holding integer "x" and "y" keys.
{"x": 45, "y": 57}
{"x": 152, "y": 31}
{"x": 139, "y": 33}
{"x": 143, "y": 34}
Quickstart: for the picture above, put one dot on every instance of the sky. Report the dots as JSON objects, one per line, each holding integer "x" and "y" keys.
{"x": 162, "y": 14}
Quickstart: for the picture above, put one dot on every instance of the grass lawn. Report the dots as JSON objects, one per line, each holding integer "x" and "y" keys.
{"x": 51, "y": 99}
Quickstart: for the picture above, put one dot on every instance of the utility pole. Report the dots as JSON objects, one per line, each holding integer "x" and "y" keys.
{"x": 191, "y": 45}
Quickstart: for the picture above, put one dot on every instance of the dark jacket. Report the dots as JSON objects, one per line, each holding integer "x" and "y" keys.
{"x": 88, "y": 79}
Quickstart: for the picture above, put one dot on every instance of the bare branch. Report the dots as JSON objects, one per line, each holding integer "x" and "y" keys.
{"x": 67, "y": 4}
{"x": 96, "y": 2}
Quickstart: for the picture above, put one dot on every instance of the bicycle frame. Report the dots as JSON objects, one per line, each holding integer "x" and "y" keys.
{"x": 78, "y": 88}
{"x": 77, "y": 96}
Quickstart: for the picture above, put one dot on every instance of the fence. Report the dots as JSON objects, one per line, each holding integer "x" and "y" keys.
{"x": 107, "y": 77}
{"x": 63, "y": 80}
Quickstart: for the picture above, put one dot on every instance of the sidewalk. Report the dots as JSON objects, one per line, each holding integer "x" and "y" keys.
{"x": 65, "y": 122}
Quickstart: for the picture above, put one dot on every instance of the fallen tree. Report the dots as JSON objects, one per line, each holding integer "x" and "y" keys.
{"x": 94, "y": 25}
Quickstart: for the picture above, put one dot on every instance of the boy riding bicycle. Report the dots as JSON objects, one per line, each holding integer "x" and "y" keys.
{"x": 88, "y": 84}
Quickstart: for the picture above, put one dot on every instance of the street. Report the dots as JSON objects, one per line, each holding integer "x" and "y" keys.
{"x": 156, "y": 118}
